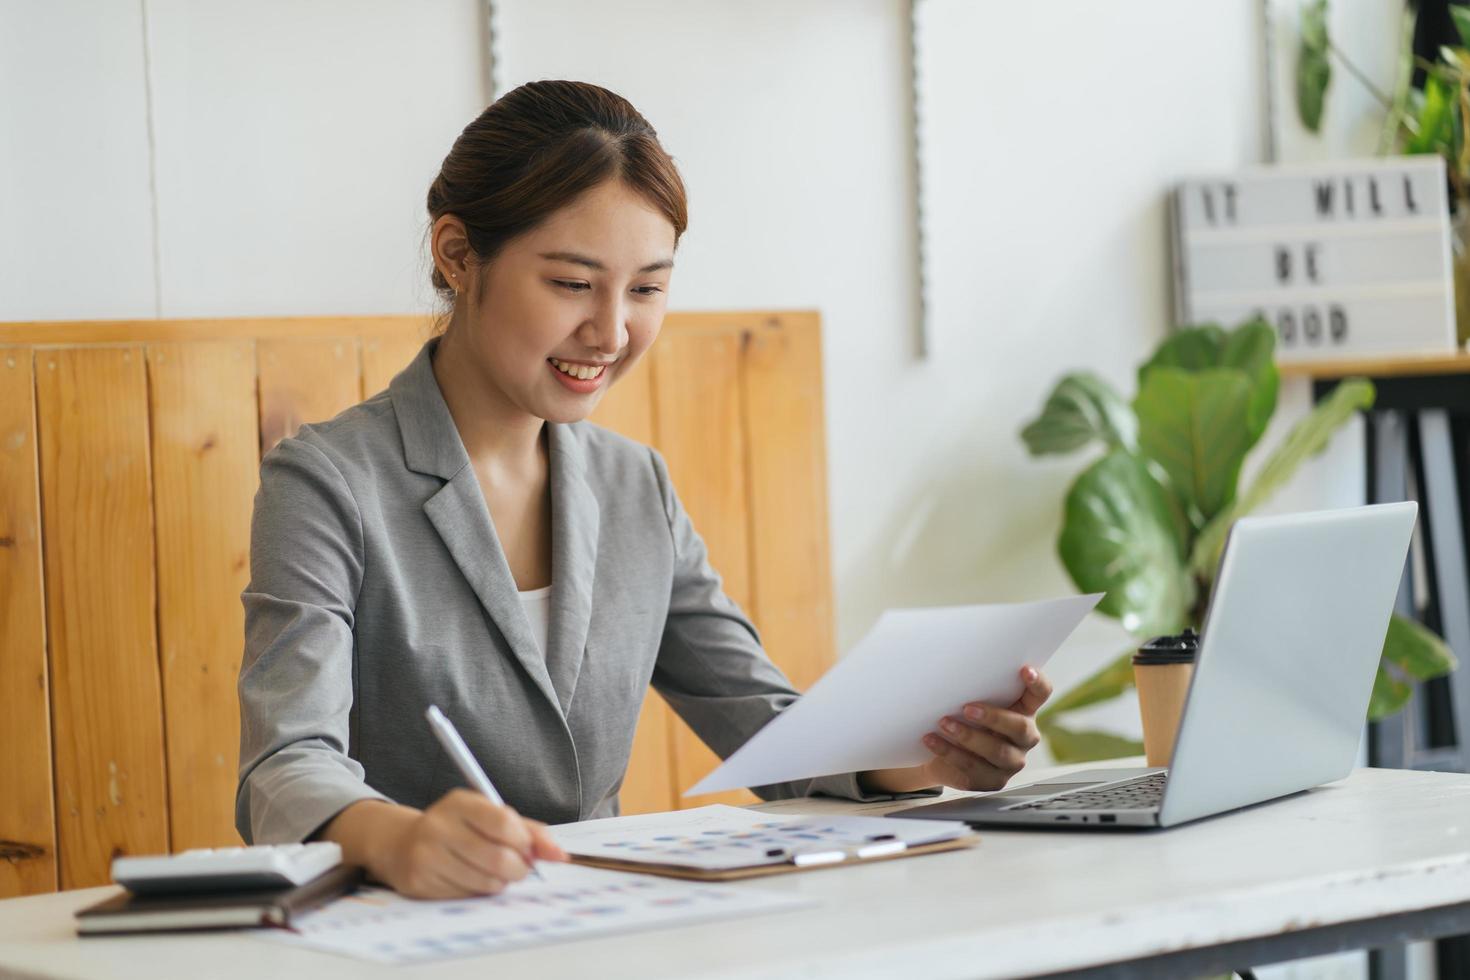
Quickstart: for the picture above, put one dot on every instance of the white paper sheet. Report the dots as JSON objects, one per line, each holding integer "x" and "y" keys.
{"x": 573, "y": 902}
{"x": 718, "y": 837}
{"x": 871, "y": 710}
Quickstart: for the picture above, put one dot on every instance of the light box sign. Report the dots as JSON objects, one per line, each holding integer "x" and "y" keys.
{"x": 1349, "y": 259}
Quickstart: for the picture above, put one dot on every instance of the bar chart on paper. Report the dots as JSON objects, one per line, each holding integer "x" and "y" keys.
{"x": 572, "y": 902}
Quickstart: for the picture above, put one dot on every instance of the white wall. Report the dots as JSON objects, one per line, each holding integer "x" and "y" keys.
{"x": 74, "y": 201}
{"x": 292, "y": 145}
{"x": 295, "y": 144}
{"x": 1049, "y": 148}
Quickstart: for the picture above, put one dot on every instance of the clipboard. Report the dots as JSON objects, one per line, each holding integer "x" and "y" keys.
{"x": 764, "y": 870}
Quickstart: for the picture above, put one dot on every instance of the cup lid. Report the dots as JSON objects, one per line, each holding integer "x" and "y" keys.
{"x": 1178, "y": 649}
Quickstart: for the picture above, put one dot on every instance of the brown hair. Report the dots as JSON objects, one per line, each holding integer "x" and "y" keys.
{"x": 534, "y": 150}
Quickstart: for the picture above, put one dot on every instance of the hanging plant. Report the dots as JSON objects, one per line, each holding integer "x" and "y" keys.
{"x": 1426, "y": 112}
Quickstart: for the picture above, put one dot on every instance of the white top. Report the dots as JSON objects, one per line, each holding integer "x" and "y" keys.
{"x": 1380, "y": 842}
{"x": 537, "y": 604}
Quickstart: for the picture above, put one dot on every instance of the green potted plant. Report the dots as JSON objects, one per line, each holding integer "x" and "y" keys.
{"x": 1146, "y": 520}
{"x": 1418, "y": 119}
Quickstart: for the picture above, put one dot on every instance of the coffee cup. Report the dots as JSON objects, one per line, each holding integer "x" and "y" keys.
{"x": 1162, "y": 668}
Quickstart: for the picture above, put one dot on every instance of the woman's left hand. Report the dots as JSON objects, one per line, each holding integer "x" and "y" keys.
{"x": 983, "y": 746}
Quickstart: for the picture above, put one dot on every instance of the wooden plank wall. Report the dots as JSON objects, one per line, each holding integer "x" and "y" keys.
{"x": 27, "y": 818}
{"x": 129, "y": 456}
{"x": 205, "y": 467}
{"x": 97, "y": 537}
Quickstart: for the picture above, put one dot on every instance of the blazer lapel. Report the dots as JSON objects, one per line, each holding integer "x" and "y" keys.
{"x": 575, "y": 519}
{"x": 431, "y": 445}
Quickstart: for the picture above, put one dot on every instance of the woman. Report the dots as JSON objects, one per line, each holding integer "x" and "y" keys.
{"x": 464, "y": 539}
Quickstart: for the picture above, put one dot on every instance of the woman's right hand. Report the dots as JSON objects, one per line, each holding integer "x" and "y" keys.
{"x": 462, "y": 845}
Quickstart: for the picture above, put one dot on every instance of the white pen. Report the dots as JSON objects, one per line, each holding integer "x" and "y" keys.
{"x": 453, "y": 743}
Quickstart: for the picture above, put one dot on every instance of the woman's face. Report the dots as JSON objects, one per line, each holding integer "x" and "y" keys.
{"x": 567, "y": 308}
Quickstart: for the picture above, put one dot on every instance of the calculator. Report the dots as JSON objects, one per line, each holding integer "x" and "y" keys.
{"x": 207, "y": 869}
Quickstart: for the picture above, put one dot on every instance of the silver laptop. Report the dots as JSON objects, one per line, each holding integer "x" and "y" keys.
{"x": 1286, "y": 663}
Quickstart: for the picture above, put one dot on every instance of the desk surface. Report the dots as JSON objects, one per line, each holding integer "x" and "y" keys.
{"x": 1376, "y": 843}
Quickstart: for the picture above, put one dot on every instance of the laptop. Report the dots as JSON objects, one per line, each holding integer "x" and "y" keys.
{"x": 1286, "y": 663}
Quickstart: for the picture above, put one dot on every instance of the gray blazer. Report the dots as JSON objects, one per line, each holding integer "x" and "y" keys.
{"x": 378, "y": 586}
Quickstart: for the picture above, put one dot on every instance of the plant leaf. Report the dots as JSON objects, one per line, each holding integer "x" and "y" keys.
{"x": 1389, "y": 695}
{"x": 1197, "y": 427}
{"x": 1188, "y": 348}
{"x": 1460, "y": 14}
{"x": 1411, "y": 652}
{"x": 1416, "y": 650}
{"x": 1436, "y": 127}
{"x": 1081, "y": 408}
{"x": 1314, "y": 25}
{"x": 1251, "y": 347}
{"x": 1313, "y": 69}
{"x": 1104, "y": 685}
{"x": 1118, "y": 537}
{"x": 1456, "y": 160}
{"x": 1067, "y": 745}
{"x": 1313, "y": 75}
{"x": 1308, "y": 438}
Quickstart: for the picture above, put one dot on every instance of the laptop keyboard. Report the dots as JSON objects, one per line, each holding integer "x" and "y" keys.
{"x": 1144, "y": 793}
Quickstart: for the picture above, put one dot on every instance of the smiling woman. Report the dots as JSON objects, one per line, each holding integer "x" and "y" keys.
{"x": 541, "y": 331}
{"x": 555, "y": 218}
{"x": 466, "y": 539}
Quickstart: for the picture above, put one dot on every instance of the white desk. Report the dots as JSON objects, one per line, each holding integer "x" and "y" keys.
{"x": 1380, "y": 843}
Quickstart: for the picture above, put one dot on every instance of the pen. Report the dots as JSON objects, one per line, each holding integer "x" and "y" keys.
{"x": 449, "y": 737}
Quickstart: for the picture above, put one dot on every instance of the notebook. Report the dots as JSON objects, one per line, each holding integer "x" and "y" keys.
{"x": 718, "y": 842}
{"x": 128, "y": 912}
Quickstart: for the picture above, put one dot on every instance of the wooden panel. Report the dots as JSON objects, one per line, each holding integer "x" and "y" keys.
{"x": 67, "y": 332}
{"x": 205, "y": 470}
{"x": 648, "y": 787}
{"x": 27, "y": 820}
{"x": 71, "y": 332}
{"x": 736, "y": 432}
{"x": 792, "y": 578}
{"x": 305, "y": 381}
{"x": 627, "y": 407}
{"x": 92, "y": 408}
{"x": 697, "y": 393}
{"x": 383, "y": 357}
